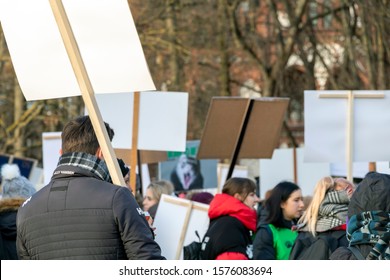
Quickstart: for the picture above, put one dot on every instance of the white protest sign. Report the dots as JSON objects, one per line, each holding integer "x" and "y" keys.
{"x": 281, "y": 168}
{"x": 176, "y": 221}
{"x": 106, "y": 37}
{"x": 360, "y": 169}
{"x": 326, "y": 127}
{"x": 223, "y": 169}
{"x": 162, "y": 119}
{"x": 51, "y": 145}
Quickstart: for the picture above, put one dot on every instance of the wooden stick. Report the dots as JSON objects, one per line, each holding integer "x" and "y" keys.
{"x": 295, "y": 165}
{"x": 342, "y": 95}
{"x": 350, "y": 125}
{"x": 184, "y": 231}
{"x": 87, "y": 91}
{"x": 350, "y": 131}
{"x": 184, "y": 203}
{"x": 372, "y": 166}
{"x": 134, "y": 143}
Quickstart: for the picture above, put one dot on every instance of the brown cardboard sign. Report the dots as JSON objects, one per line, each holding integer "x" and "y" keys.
{"x": 257, "y": 120}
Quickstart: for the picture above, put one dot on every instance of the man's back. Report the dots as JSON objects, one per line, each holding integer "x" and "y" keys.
{"x": 79, "y": 216}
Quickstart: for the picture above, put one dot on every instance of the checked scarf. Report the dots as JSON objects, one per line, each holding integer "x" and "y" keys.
{"x": 88, "y": 162}
{"x": 371, "y": 227}
{"x": 333, "y": 210}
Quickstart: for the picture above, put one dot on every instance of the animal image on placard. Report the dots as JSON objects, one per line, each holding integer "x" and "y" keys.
{"x": 186, "y": 175}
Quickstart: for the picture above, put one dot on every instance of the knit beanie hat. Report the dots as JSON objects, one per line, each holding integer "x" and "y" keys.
{"x": 15, "y": 185}
{"x": 202, "y": 197}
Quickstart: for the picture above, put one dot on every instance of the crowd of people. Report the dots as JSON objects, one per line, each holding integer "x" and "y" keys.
{"x": 81, "y": 214}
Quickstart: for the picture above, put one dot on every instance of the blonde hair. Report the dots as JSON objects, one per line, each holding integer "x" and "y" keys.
{"x": 310, "y": 216}
{"x": 157, "y": 189}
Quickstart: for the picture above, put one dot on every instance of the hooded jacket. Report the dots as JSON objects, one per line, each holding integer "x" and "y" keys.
{"x": 229, "y": 236}
{"x": 372, "y": 194}
{"x": 80, "y": 216}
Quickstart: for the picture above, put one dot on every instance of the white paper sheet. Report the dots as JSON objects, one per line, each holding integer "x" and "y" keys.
{"x": 106, "y": 36}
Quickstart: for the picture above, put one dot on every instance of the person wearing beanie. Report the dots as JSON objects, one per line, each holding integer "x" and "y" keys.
{"x": 15, "y": 190}
{"x": 368, "y": 228}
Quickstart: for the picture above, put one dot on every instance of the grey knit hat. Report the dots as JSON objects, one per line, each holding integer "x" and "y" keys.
{"x": 15, "y": 185}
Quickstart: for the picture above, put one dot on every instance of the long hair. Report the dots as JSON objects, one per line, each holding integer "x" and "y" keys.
{"x": 242, "y": 186}
{"x": 310, "y": 216}
{"x": 280, "y": 193}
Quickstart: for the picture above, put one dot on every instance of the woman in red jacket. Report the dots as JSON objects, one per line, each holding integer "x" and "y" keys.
{"x": 232, "y": 222}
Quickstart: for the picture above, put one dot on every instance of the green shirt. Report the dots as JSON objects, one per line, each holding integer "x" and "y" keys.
{"x": 284, "y": 239}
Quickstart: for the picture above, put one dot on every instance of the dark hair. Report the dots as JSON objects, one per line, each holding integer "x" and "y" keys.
{"x": 78, "y": 135}
{"x": 280, "y": 193}
{"x": 242, "y": 186}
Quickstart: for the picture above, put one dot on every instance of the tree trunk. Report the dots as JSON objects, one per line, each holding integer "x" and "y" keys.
{"x": 18, "y": 111}
{"x": 223, "y": 49}
{"x": 174, "y": 67}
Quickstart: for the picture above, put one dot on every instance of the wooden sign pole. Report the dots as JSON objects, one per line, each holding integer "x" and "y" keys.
{"x": 350, "y": 120}
{"x": 134, "y": 143}
{"x": 86, "y": 90}
{"x": 184, "y": 231}
{"x": 295, "y": 165}
{"x": 372, "y": 166}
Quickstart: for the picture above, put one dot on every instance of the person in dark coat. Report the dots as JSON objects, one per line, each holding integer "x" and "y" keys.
{"x": 80, "y": 214}
{"x": 15, "y": 190}
{"x": 368, "y": 227}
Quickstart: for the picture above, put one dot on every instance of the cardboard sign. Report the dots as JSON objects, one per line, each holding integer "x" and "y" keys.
{"x": 224, "y": 125}
{"x": 176, "y": 221}
{"x": 106, "y": 37}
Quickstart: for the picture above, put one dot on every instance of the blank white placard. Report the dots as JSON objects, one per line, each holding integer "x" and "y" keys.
{"x": 170, "y": 223}
{"x": 106, "y": 37}
{"x": 326, "y": 127}
{"x": 51, "y": 145}
{"x": 162, "y": 119}
{"x": 281, "y": 168}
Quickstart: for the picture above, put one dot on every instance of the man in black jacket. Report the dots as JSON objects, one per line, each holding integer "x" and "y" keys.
{"x": 80, "y": 214}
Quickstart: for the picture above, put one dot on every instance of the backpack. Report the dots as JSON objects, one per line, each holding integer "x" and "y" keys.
{"x": 192, "y": 250}
{"x": 319, "y": 247}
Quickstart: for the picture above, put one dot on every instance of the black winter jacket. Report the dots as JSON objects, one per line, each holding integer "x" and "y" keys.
{"x": 8, "y": 210}
{"x": 79, "y": 216}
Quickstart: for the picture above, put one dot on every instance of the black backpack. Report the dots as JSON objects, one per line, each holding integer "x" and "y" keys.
{"x": 320, "y": 247}
{"x": 192, "y": 250}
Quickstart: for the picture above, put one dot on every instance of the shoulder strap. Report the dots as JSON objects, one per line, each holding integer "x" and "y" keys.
{"x": 356, "y": 252}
